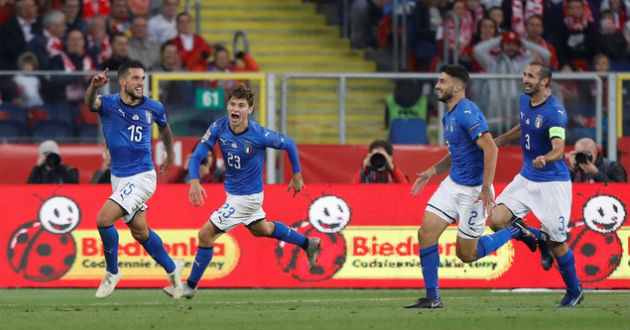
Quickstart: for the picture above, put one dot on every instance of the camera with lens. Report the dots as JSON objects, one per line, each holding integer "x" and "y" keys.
{"x": 378, "y": 162}
{"x": 583, "y": 157}
{"x": 53, "y": 160}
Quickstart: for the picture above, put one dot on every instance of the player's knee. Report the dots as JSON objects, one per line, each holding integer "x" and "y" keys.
{"x": 259, "y": 233}
{"x": 423, "y": 235}
{"x": 140, "y": 234}
{"x": 466, "y": 256}
{"x": 103, "y": 220}
{"x": 496, "y": 222}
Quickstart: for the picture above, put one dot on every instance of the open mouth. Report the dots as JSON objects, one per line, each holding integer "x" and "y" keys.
{"x": 235, "y": 116}
{"x": 60, "y": 227}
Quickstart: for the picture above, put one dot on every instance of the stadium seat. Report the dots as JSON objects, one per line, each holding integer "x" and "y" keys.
{"x": 408, "y": 131}
{"x": 60, "y": 112}
{"x": 13, "y": 121}
{"x": 88, "y": 133}
{"x": 51, "y": 129}
{"x": 11, "y": 129}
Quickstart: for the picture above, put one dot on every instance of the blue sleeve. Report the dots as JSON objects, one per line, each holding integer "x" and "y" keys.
{"x": 160, "y": 114}
{"x": 201, "y": 151}
{"x": 277, "y": 140}
{"x": 557, "y": 117}
{"x": 474, "y": 123}
{"x": 105, "y": 103}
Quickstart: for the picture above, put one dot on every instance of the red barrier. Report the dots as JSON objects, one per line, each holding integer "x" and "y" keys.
{"x": 49, "y": 239}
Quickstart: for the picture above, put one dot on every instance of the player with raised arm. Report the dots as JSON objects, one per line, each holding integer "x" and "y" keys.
{"x": 243, "y": 143}
{"x": 544, "y": 185}
{"x": 467, "y": 193}
{"x": 127, "y": 118}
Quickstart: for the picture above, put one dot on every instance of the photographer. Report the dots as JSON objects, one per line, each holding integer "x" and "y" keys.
{"x": 587, "y": 165}
{"x": 378, "y": 165}
{"x": 49, "y": 168}
{"x": 103, "y": 175}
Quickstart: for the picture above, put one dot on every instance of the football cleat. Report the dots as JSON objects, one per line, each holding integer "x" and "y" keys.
{"x": 525, "y": 236}
{"x": 313, "y": 250}
{"x": 187, "y": 291}
{"x": 546, "y": 257}
{"x": 107, "y": 284}
{"x": 570, "y": 300}
{"x": 176, "y": 279}
{"x": 427, "y": 303}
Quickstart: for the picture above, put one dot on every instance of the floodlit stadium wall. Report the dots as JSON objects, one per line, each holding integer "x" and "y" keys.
{"x": 49, "y": 239}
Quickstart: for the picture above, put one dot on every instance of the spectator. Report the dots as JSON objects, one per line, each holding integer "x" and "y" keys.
{"x": 17, "y": 32}
{"x": 120, "y": 52}
{"x": 95, "y": 7}
{"x": 209, "y": 170}
{"x": 366, "y": 15}
{"x": 74, "y": 21}
{"x": 588, "y": 165}
{"x": 7, "y": 9}
{"x": 49, "y": 167}
{"x": 49, "y": 44}
{"x": 423, "y": 39}
{"x": 103, "y": 175}
{"x": 466, "y": 28}
{"x": 141, "y": 48}
{"x": 611, "y": 40}
{"x": 378, "y": 165}
{"x": 487, "y": 29}
{"x": 176, "y": 95}
{"x": 139, "y": 7}
{"x": 118, "y": 20}
{"x": 99, "y": 47}
{"x": 496, "y": 14}
{"x": 512, "y": 56}
{"x": 601, "y": 63}
{"x": 534, "y": 29}
{"x": 223, "y": 64}
{"x": 619, "y": 11}
{"x": 163, "y": 27}
{"x": 72, "y": 59}
{"x": 579, "y": 36}
{"x": 193, "y": 49}
{"x": 27, "y": 84}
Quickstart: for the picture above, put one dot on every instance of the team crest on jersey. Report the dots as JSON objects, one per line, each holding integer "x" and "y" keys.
{"x": 149, "y": 116}
{"x": 452, "y": 125}
{"x": 135, "y": 117}
{"x": 248, "y": 149}
{"x": 527, "y": 121}
{"x": 234, "y": 145}
{"x": 539, "y": 120}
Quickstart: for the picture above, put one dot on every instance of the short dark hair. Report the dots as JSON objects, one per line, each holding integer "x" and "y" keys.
{"x": 166, "y": 44}
{"x": 389, "y": 148}
{"x": 180, "y": 15}
{"x": 123, "y": 69}
{"x": 117, "y": 35}
{"x": 456, "y": 71}
{"x": 543, "y": 71}
{"x": 242, "y": 92}
{"x": 220, "y": 48}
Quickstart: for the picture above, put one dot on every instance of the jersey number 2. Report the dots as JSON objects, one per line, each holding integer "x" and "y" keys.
{"x": 136, "y": 133}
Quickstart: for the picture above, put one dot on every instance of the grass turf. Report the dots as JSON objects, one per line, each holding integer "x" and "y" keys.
{"x": 306, "y": 309}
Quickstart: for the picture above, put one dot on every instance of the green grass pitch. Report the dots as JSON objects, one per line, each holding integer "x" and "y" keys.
{"x": 306, "y": 309}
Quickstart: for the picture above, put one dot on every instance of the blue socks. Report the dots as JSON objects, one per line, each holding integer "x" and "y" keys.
{"x": 286, "y": 234}
{"x": 490, "y": 243}
{"x": 156, "y": 249}
{"x": 430, "y": 260}
{"x": 566, "y": 263}
{"x": 202, "y": 259}
{"x": 109, "y": 236}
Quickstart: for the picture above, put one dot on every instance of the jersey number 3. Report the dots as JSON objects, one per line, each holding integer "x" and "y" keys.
{"x": 136, "y": 133}
{"x": 527, "y": 145}
{"x": 234, "y": 160}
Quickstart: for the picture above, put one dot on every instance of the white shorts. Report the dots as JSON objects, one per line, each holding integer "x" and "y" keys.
{"x": 131, "y": 192}
{"x": 452, "y": 201}
{"x": 245, "y": 209}
{"x": 550, "y": 201}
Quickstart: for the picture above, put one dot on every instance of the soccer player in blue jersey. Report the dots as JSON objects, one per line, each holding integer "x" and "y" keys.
{"x": 467, "y": 192}
{"x": 243, "y": 143}
{"x": 127, "y": 119}
{"x": 544, "y": 185}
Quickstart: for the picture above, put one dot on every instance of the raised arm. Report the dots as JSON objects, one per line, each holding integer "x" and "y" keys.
{"x": 93, "y": 102}
{"x": 543, "y": 51}
{"x": 481, "y": 52}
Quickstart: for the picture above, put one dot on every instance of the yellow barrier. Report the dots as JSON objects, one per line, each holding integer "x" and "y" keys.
{"x": 260, "y": 77}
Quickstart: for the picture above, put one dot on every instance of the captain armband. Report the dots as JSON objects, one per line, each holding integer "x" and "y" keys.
{"x": 557, "y": 131}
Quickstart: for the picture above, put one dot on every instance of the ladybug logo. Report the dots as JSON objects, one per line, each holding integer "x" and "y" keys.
{"x": 44, "y": 250}
{"x": 597, "y": 247}
{"x": 327, "y": 217}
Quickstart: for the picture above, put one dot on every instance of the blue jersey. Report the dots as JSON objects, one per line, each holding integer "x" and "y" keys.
{"x": 462, "y": 127}
{"x": 537, "y": 129}
{"x": 127, "y": 131}
{"x": 243, "y": 154}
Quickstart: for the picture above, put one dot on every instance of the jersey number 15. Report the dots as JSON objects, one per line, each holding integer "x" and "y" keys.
{"x": 136, "y": 133}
